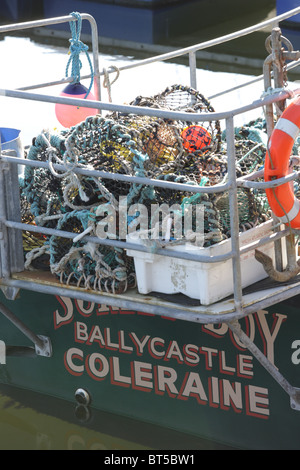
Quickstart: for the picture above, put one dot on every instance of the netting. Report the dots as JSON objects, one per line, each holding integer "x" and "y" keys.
{"x": 182, "y": 152}
{"x": 34, "y": 244}
{"x": 173, "y": 146}
{"x": 89, "y": 265}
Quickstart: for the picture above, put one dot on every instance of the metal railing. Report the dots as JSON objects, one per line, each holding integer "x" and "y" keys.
{"x": 11, "y": 284}
{"x": 190, "y": 51}
{"x": 231, "y": 185}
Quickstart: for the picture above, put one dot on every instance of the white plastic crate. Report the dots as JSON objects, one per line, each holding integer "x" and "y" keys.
{"x": 208, "y": 282}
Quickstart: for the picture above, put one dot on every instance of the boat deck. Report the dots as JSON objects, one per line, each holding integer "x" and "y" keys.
{"x": 260, "y": 295}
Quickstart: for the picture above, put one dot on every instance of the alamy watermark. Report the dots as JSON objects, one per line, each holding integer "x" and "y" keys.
{"x": 154, "y": 221}
{"x": 2, "y": 352}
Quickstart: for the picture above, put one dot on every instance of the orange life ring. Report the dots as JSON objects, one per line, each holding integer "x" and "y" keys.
{"x": 281, "y": 198}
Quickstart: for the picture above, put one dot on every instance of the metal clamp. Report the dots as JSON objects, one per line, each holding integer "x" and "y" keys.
{"x": 44, "y": 349}
{"x": 42, "y": 343}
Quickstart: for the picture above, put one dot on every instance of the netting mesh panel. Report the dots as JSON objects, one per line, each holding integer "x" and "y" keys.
{"x": 41, "y": 189}
{"x": 173, "y": 145}
{"x": 107, "y": 145}
{"x": 89, "y": 265}
{"x": 34, "y": 244}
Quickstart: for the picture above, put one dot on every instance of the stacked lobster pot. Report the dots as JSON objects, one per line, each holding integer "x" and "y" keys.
{"x": 187, "y": 153}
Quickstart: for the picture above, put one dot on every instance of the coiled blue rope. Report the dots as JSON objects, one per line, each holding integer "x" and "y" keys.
{"x": 76, "y": 47}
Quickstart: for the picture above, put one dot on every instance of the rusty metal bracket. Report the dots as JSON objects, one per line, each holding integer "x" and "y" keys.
{"x": 293, "y": 265}
{"x": 42, "y": 343}
{"x": 275, "y": 64}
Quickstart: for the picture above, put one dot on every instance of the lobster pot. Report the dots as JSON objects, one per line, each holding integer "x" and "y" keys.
{"x": 208, "y": 282}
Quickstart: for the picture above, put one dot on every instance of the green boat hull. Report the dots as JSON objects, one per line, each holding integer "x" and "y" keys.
{"x": 187, "y": 377}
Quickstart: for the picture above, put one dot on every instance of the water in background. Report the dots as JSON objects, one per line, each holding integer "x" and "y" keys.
{"x": 26, "y": 62}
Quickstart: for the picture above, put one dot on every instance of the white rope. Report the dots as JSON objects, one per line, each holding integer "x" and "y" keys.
{"x": 107, "y": 83}
{"x": 272, "y": 91}
{"x": 33, "y": 254}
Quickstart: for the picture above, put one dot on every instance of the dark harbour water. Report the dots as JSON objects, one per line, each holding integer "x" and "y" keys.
{"x": 29, "y": 421}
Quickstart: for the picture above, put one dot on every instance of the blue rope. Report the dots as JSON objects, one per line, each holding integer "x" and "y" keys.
{"x": 76, "y": 47}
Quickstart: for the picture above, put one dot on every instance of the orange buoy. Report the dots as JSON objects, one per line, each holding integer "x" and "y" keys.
{"x": 68, "y": 115}
{"x": 282, "y": 200}
{"x": 195, "y": 138}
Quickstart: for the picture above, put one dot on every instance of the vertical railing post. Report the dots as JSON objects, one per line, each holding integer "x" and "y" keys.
{"x": 4, "y": 246}
{"x": 11, "y": 240}
{"x": 95, "y": 51}
{"x": 193, "y": 70}
{"x": 234, "y": 215}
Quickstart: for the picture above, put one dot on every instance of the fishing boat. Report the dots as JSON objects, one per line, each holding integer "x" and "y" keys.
{"x": 291, "y": 26}
{"x": 149, "y": 255}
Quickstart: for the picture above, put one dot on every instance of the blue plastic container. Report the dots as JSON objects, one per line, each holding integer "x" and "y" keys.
{"x": 10, "y": 140}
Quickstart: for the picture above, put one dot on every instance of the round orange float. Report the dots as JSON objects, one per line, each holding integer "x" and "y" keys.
{"x": 195, "y": 138}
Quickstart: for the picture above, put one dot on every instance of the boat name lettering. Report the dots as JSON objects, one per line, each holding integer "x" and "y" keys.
{"x": 296, "y": 354}
{"x": 143, "y": 362}
{"x": 161, "y": 379}
{"x": 158, "y": 348}
{"x": 256, "y": 323}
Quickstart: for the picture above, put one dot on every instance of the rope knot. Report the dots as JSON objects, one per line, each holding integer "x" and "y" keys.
{"x": 76, "y": 47}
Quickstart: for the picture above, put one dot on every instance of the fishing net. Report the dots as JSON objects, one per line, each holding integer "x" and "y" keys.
{"x": 174, "y": 145}
{"x": 63, "y": 200}
{"x": 34, "y": 244}
{"x": 87, "y": 264}
{"x": 42, "y": 189}
{"x": 125, "y": 145}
